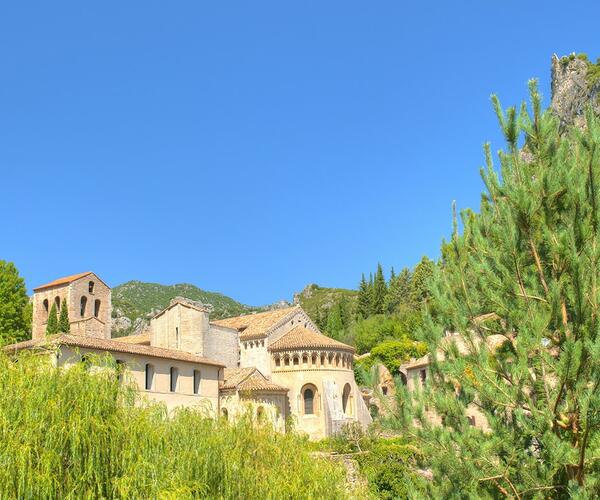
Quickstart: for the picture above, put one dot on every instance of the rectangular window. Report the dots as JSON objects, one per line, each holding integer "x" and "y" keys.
{"x": 197, "y": 380}
{"x": 149, "y": 377}
{"x": 423, "y": 375}
{"x": 174, "y": 378}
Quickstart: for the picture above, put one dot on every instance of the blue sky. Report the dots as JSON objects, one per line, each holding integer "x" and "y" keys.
{"x": 254, "y": 147}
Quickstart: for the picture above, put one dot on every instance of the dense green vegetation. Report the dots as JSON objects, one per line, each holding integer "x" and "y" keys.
{"x": 15, "y": 309}
{"x": 78, "y": 433}
{"x": 530, "y": 261}
{"x": 136, "y": 301}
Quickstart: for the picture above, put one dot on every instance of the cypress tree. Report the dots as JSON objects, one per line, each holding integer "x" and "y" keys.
{"x": 335, "y": 322}
{"x": 399, "y": 291}
{"x": 52, "y": 325}
{"x": 63, "y": 320}
{"x": 422, "y": 274}
{"x": 363, "y": 306}
{"x": 379, "y": 291}
{"x": 526, "y": 270}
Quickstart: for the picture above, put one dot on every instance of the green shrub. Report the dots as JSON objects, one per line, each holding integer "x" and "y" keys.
{"x": 77, "y": 433}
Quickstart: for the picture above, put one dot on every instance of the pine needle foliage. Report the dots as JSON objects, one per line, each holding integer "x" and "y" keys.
{"x": 530, "y": 262}
{"x": 80, "y": 433}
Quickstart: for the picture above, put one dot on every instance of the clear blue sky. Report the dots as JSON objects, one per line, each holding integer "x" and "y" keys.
{"x": 254, "y": 147}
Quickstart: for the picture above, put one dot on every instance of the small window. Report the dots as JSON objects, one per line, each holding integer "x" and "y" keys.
{"x": 197, "y": 380}
{"x": 260, "y": 414}
{"x": 91, "y": 287}
{"x": 177, "y": 342}
{"x": 384, "y": 389}
{"x": 174, "y": 379}
{"x": 57, "y": 302}
{"x": 82, "y": 306}
{"x": 309, "y": 397}
{"x": 277, "y": 361}
{"x": 423, "y": 375}
{"x": 46, "y": 305}
{"x": 286, "y": 361}
{"x": 296, "y": 361}
{"x": 149, "y": 377}
{"x": 471, "y": 420}
{"x": 97, "y": 307}
{"x": 305, "y": 359}
{"x": 224, "y": 413}
{"x": 85, "y": 362}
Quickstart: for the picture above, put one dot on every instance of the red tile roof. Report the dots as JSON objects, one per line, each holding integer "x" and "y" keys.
{"x": 248, "y": 379}
{"x": 256, "y": 325}
{"x": 62, "y": 281}
{"x": 300, "y": 337}
{"x": 110, "y": 346}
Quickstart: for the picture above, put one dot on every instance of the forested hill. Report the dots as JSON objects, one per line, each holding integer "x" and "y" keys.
{"x": 135, "y": 302}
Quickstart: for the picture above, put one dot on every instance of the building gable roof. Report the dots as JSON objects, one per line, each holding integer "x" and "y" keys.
{"x": 248, "y": 379}
{"x": 300, "y": 337}
{"x": 109, "y": 346}
{"x": 67, "y": 280}
{"x": 259, "y": 324}
{"x": 182, "y": 301}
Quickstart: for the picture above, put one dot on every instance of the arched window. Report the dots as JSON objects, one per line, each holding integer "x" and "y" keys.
{"x": 310, "y": 400}
{"x": 296, "y": 360}
{"x": 346, "y": 399}
{"x": 313, "y": 359}
{"x": 286, "y": 360}
{"x": 91, "y": 287}
{"x": 174, "y": 372}
{"x": 260, "y": 414}
{"x": 224, "y": 413}
{"x": 46, "y": 305}
{"x": 384, "y": 389}
{"x": 96, "y": 307}
{"x": 322, "y": 359}
{"x": 57, "y": 302}
{"x": 197, "y": 380}
{"x": 149, "y": 377}
{"x": 85, "y": 361}
{"x": 82, "y": 306}
{"x": 277, "y": 361}
{"x": 305, "y": 359}
{"x": 337, "y": 360}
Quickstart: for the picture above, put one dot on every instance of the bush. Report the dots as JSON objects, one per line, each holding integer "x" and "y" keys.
{"x": 73, "y": 433}
{"x": 389, "y": 469}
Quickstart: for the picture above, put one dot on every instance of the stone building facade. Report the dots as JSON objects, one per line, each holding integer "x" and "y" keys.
{"x": 275, "y": 365}
{"x": 88, "y": 301}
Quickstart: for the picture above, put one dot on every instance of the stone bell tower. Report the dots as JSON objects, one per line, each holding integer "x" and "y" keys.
{"x": 88, "y": 301}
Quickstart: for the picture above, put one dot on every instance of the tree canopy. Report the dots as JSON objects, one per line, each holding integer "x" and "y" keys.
{"x": 526, "y": 270}
{"x": 15, "y": 310}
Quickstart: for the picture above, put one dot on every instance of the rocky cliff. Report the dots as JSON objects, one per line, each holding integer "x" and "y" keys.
{"x": 575, "y": 83}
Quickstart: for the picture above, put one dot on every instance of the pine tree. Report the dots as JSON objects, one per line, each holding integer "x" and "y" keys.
{"x": 52, "y": 324}
{"x": 379, "y": 291}
{"x": 63, "y": 320}
{"x": 363, "y": 306}
{"x": 523, "y": 273}
{"x": 15, "y": 320}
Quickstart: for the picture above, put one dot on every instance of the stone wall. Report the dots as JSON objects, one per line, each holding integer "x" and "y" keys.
{"x": 222, "y": 345}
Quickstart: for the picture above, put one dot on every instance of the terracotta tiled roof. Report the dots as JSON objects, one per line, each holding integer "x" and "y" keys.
{"x": 62, "y": 281}
{"x": 256, "y": 325}
{"x": 248, "y": 379}
{"x": 140, "y": 338}
{"x": 111, "y": 346}
{"x": 300, "y": 337}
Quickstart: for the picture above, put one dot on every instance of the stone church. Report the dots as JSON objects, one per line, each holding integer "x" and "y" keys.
{"x": 275, "y": 364}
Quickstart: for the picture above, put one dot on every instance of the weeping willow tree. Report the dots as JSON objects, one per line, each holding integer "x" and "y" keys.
{"x": 525, "y": 269}
{"x": 83, "y": 433}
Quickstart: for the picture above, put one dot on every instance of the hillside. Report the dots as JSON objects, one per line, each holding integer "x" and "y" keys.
{"x": 317, "y": 300}
{"x": 135, "y": 302}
